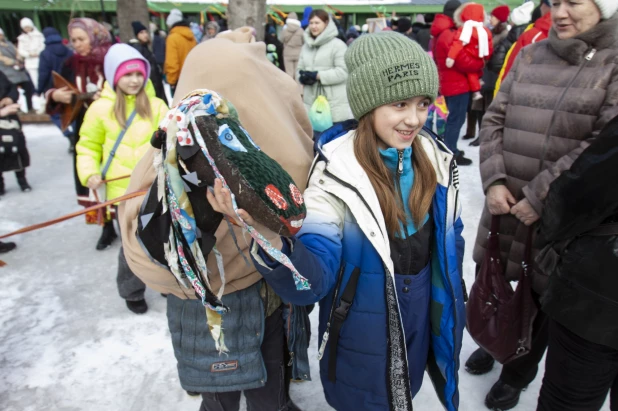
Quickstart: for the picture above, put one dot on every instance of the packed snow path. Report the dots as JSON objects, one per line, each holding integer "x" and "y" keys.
{"x": 67, "y": 341}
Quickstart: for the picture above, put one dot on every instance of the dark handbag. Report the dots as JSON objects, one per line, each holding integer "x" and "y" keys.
{"x": 12, "y": 149}
{"x": 500, "y": 319}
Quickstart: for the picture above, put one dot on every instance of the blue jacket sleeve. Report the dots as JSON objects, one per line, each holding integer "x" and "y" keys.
{"x": 316, "y": 253}
{"x": 316, "y": 258}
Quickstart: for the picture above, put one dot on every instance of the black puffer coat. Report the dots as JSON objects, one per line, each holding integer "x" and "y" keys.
{"x": 501, "y": 50}
{"x": 12, "y": 136}
{"x": 583, "y": 288}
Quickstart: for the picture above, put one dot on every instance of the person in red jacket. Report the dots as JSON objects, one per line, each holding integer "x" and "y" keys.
{"x": 533, "y": 34}
{"x": 453, "y": 80}
{"x": 474, "y": 38}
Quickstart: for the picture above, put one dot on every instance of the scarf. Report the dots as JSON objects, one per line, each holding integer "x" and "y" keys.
{"x": 89, "y": 69}
{"x": 481, "y": 34}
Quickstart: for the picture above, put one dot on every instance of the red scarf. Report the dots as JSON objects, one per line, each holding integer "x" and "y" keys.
{"x": 89, "y": 68}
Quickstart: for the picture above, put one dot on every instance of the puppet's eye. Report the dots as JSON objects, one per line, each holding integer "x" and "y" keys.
{"x": 229, "y": 139}
{"x": 296, "y": 195}
{"x": 249, "y": 138}
{"x": 275, "y": 196}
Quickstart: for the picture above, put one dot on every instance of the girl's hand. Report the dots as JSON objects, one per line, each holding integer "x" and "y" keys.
{"x": 94, "y": 182}
{"x": 96, "y": 96}
{"x": 221, "y": 201}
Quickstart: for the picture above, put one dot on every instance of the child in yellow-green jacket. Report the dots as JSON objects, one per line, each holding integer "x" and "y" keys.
{"x": 114, "y": 136}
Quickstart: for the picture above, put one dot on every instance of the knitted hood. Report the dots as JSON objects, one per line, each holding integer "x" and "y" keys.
{"x": 329, "y": 33}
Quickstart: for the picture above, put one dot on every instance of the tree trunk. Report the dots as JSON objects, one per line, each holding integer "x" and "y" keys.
{"x": 128, "y": 11}
{"x": 247, "y": 13}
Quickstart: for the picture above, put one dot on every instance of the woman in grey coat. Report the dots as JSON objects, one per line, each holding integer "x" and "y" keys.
{"x": 321, "y": 62}
{"x": 558, "y": 96}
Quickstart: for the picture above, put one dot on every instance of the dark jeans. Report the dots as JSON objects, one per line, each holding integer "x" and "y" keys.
{"x": 578, "y": 373}
{"x": 270, "y": 397}
{"x": 55, "y": 118}
{"x": 28, "y": 92}
{"x": 457, "y": 110}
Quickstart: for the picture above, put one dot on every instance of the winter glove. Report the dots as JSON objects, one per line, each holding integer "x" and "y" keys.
{"x": 450, "y": 62}
{"x": 308, "y": 78}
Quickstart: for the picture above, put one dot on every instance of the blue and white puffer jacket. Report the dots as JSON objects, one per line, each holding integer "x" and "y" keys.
{"x": 344, "y": 230}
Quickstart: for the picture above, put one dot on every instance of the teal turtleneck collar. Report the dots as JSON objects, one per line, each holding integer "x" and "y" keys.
{"x": 391, "y": 159}
{"x": 405, "y": 180}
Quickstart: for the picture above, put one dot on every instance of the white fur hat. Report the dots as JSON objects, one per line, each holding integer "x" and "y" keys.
{"x": 26, "y": 22}
{"x": 608, "y": 8}
{"x": 522, "y": 14}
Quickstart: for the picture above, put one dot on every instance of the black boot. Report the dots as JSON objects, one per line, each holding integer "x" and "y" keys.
{"x": 476, "y": 142}
{"x": 2, "y": 191}
{"x": 6, "y": 247}
{"x": 502, "y": 396}
{"x": 480, "y": 362}
{"x": 23, "y": 184}
{"x": 138, "y": 307}
{"x": 461, "y": 160}
{"x": 107, "y": 237}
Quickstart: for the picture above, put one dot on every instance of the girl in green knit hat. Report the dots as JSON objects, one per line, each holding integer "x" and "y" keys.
{"x": 381, "y": 244}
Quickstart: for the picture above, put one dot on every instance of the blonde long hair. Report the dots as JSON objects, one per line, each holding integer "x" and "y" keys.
{"x": 142, "y": 106}
{"x": 381, "y": 178}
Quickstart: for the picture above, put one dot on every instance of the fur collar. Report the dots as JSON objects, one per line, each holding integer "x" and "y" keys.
{"x": 602, "y": 36}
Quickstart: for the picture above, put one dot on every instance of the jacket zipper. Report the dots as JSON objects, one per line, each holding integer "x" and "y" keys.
{"x": 289, "y": 331}
{"x": 587, "y": 59}
{"x": 455, "y": 358}
{"x": 398, "y": 188}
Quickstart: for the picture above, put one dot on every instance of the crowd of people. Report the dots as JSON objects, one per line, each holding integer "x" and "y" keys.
{"x": 381, "y": 244}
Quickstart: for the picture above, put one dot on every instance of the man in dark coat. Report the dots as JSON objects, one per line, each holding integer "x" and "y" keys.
{"x": 141, "y": 43}
{"x": 51, "y": 59}
{"x": 580, "y": 220}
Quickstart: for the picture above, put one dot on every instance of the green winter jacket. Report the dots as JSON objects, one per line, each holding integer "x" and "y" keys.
{"x": 100, "y": 130}
{"x": 324, "y": 54}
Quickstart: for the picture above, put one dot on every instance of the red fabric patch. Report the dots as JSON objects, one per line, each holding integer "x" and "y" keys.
{"x": 296, "y": 195}
{"x": 275, "y": 196}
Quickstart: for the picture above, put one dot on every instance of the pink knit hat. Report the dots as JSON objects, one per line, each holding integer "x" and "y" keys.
{"x": 130, "y": 66}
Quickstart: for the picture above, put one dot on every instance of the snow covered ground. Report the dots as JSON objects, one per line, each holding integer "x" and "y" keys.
{"x": 67, "y": 341}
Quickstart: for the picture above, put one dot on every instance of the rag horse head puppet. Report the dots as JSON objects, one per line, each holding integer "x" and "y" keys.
{"x": 202, "y": 139}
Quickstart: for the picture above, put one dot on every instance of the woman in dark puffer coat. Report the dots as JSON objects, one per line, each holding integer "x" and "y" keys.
{"x": 559, "y": 95}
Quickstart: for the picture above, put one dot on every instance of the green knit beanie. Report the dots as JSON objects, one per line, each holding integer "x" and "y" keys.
{"x": 387, "y": 67}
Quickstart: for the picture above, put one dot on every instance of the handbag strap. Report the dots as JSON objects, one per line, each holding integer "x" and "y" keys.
{"x": 116, "y": 144}
{"x": 320, "y": 90}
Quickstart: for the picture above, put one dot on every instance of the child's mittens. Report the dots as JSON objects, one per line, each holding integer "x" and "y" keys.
{"x": 450, "y": 62}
